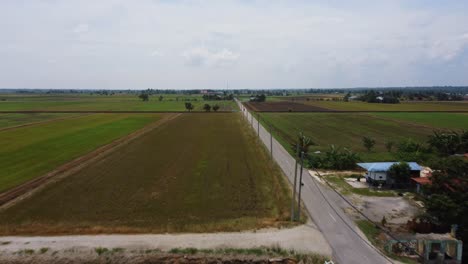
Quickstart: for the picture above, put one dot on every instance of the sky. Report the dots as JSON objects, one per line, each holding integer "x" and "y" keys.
{"x": 123, "y": 44}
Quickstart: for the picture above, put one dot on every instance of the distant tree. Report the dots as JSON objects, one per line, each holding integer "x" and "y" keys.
{"x": 346, "y": 97}
{"x": 189, "y": 106}
{"x": 389, "y": 145}
{"x": 368, "y": 143}
{"x": 401, "y": 172}
{"x": 207, "y": 107}
{"x": 161, "y": 98}
{"x": 215, "y": 107}
{"x": 144, "y": 97}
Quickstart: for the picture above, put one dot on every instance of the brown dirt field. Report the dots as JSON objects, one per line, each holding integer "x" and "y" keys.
{"x": 284, "y": 106}
{"x": 8, "y": 198}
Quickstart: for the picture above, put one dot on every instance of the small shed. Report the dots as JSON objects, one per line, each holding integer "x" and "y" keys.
{"x": 377, "y": 171}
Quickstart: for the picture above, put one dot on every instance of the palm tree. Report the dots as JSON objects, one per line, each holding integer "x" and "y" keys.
{"x": 302, "y": 148}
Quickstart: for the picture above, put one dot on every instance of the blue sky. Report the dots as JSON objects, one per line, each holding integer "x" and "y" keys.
{"x": 250, "y": 44}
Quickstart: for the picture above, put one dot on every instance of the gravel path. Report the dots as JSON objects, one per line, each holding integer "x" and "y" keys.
{"x": 304, "y": 238}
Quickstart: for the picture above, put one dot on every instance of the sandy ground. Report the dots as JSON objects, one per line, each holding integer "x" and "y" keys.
{"x": 304, "y": 239}
{"x": 396, "y": 210}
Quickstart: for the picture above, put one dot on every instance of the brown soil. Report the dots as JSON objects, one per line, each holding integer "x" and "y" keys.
{"x": 283, "y": 106}
{"x": 142, "y": 258}
{"x": 7, "y": 198}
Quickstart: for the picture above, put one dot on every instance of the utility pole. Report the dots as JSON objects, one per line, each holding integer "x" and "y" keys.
{"x": 258, "y": 125}
{"x": 300, "y": 187}
{"x": 293, "y": 202}
{"x": 271, "y": 142}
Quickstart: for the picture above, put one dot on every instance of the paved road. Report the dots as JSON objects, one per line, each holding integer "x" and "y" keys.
{"x": 340, "y": 231}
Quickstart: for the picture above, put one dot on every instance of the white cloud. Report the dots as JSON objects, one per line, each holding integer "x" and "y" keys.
{"x": 262, "y": 43}
{"x": 81, "y": 28}
{"x": 204, "y": 57}
{"x": 448, "y": 48}
{"x": 156, "y": 53}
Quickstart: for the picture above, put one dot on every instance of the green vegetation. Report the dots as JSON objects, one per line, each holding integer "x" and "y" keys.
{"x": 126, "y": 102}
{"x": 29, "y": 152}
{"x": 197, "y": 172}
{"x": 339, "y": 183}
{"x": 345, "y": 130}
{"x": 370, "y": 230}
{"x": 436, "y": 120}
{"x": 11, "y": 120}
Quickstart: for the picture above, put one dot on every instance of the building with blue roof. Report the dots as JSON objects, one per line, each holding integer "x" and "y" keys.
{"x": 377, "y": 172}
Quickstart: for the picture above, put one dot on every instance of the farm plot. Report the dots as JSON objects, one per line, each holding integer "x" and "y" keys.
{"x": 31, "y": 151}
{"x": 198, "y": 172}
{"x": 283, "y": 106}
{"x": 106, "y": 103}
{"x": 13, "y": 120}
{"x": 347, "y": 130}
{"x": 402, "y": 107}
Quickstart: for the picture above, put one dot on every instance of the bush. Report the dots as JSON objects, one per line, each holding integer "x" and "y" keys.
{"x": 335, "y": 158}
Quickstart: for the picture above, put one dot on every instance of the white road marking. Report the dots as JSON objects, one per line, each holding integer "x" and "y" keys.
{"x": 332, "y": 216}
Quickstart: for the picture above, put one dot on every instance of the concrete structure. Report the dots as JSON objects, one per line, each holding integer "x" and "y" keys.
{"x": 442, "y": 249}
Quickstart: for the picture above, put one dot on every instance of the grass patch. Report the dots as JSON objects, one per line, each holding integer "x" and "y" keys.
{"x": 43, "y": 250}
{"x": 340, "y": 183}
{"x": 3, "y": 243}
{"x": 196, "y": 173}
{"x": 101, "y": 250}
{"x": 32, "y": 151}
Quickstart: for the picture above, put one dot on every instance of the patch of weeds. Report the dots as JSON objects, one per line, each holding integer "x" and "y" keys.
{"x": 101, "y": 250}
{"x": 5, "y": 243}
{"x": 117, "y": 250}
{"x": 43, "y": 250}
{"x": 27, "y": 251}
{"x": 190, "y": 251}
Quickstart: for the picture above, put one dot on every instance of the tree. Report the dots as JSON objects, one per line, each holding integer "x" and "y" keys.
{"x": 207, "y": 107}
{"x": 346, "y": 97}
{"x": 303, "y": 144}
{"x": 368, "y": 143}
{"x": 400, "y": 172}
{"x": 188, "y": 106}
{"x": 389, "y": 145}
{"x": 410, "y": 150}
{"x": 161, "y": 98}
{"x": 215, "y": 107}
{"x": 335, "y": 158}
{"x": 144, "y": 97}
{"x": 449, "y": 143}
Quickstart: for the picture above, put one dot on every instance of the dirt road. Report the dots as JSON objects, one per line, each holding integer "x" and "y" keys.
{"x": 304, "y": 238}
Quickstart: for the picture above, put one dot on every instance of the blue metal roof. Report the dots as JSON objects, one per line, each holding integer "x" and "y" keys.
{"x": 384, "y": 166}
